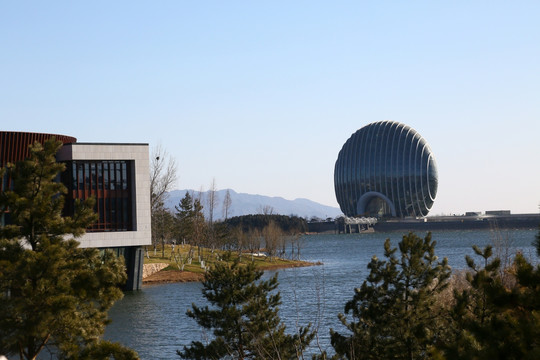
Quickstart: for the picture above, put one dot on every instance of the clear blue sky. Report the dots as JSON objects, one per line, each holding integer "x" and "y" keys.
{"x": 261, "y": 96}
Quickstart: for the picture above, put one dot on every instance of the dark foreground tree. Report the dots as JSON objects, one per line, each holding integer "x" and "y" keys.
{"x": 244, "y": 318}
{"x": 494, "y": 320}
{"x": 53, "y": 295}
{"x": 536, "y": 242}
{"x": 394, "y": 315}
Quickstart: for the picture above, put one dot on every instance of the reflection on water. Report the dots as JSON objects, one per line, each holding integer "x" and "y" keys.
{"x": 153, "y": 321}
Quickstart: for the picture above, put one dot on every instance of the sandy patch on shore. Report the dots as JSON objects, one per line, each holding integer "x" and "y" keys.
{"x": 169, "y": 276}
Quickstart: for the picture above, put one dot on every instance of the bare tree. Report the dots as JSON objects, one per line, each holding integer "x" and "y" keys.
{"x": 212, "y": 201}
{"x": 266, "y": 210}
{"x": 240, "y": 240}
{"x": 296, "y": 241}
{"x": 253, "y": 241}
{"x": 227, "y": 202}
{"x": 162, "y": 178}
{"x": 273, "y": 239}
{"x": 200, "y": 230}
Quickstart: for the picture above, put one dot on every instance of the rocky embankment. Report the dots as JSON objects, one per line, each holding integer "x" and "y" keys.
{"x": 154, "y": 274}
{"x": 151, "y": 269}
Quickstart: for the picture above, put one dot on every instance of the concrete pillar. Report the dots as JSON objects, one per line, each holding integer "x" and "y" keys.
{"x": 134, "y": 257}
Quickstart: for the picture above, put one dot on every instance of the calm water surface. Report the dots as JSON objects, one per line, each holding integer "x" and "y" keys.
{"x": 153, "y": 321}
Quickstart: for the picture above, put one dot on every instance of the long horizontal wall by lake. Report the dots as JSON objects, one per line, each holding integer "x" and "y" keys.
{"x": 481, "y": 222}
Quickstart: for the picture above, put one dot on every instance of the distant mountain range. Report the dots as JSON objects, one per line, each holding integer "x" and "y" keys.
{"x": 246, "y": 204}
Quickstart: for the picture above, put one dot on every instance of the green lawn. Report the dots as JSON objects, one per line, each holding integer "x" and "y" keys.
{"x": 181, "y": 252}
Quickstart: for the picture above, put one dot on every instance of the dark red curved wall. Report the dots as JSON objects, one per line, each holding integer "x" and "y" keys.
{"x": 14, "y": 145}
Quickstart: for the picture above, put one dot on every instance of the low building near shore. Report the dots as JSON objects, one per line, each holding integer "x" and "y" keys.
{"x": 116, "y": 175}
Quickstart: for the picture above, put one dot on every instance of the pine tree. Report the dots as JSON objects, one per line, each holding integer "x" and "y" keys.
{"x": 184, "y": 216}
{"x": 536, "y": 242}
{"x": 244, "y": 318}
{"x": 190, "y": 218}
{"x": 394, "y": 315}
{"x": 53, "y": 294}
{"x": 493, "y": 321}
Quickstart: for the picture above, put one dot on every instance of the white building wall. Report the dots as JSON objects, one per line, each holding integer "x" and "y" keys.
{"x": 139, "y": 153}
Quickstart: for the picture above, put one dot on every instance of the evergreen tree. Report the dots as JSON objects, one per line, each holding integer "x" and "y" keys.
{"x": 493, "y": 321}
{"x": 164, "y": 227}
{"x": 185, "y": 217}
{"x": 53, "y": 294}
{"x": 288, "y": 224}
{"x": 190, "y": 218}
{"x": 536, "y": 242}
{"x": 394, "y": 315}
{"x": 244, "y": 318}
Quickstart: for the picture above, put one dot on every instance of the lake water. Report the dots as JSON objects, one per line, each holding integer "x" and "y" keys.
{"x": 153, "y": 321}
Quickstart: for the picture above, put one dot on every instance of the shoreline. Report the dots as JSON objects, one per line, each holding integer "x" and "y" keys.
{"x": 177, "y": 276}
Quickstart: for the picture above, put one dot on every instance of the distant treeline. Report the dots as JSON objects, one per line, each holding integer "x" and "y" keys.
{"x": 288, "y": 224}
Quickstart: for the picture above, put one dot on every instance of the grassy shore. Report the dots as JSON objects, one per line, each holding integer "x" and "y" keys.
{"x": 181, "y": 269}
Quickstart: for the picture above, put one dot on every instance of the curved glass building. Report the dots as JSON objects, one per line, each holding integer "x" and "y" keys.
{"x": 385, "y": 169}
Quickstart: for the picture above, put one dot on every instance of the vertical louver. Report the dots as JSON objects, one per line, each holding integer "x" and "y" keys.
{"x": 385, "y": 169}
{"x": 14, "y": 146}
